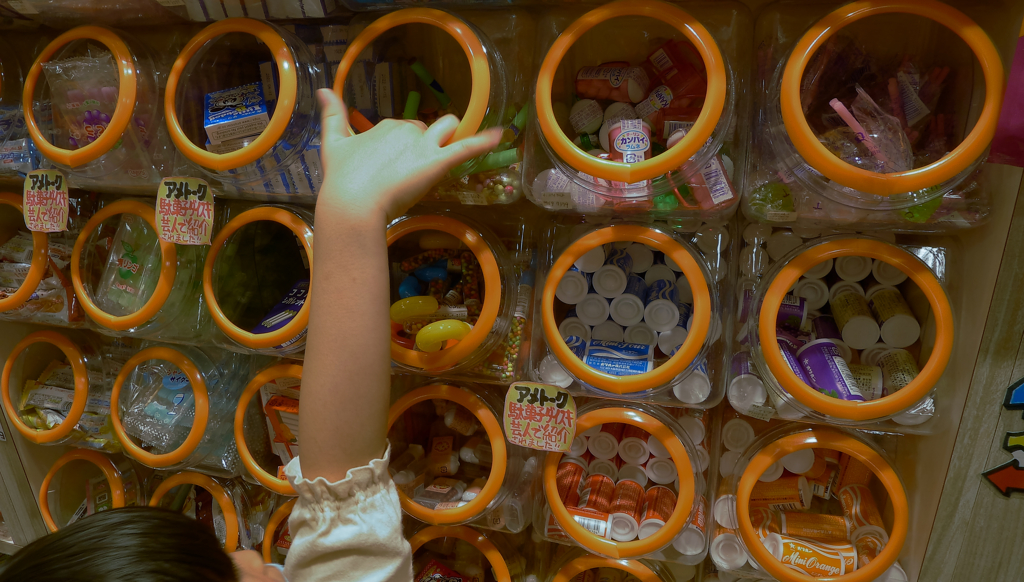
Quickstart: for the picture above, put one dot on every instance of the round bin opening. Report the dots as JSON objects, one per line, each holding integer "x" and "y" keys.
{"x": 875, "y": 324}
{"x": 628, "y": 310}
{"x": 24, "y": 262}
{"x": 783, "y": 512}
{"x": 460, "y": 552}
{"x": 205, "y": 499}
{"x": 261, "y": 277}
{"x": 81, "y": 483}
{"x": 266, "y": 426}
{"x": 619, "y": 89}
{"x": 900, "y": 119}
{"x": 621, "y": 497}
{"x": 277, "y": 540}
{"x": 590, "y": 567}
{"x": 453, "y": 462}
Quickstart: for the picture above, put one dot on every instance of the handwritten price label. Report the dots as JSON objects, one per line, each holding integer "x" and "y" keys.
{"x": 45, "y": 201}
{"x": 540, "y": 417}
{"x": 184, "y": 211}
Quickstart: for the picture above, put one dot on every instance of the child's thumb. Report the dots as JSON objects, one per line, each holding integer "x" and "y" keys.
{"x": 333, "y": 117}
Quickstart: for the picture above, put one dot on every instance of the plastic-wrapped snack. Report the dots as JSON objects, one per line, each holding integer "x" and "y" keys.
{"x": 46, "y": 400}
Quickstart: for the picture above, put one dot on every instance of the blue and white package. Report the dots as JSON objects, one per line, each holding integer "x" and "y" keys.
{"x": 619, "y": 358}
{"x": 661, "y": 312}
{"x": 285, "y": 310}
{"x": 621, "y": 259}
{"x": 628, "y": 309}
{"x": 234, "y": 113}
{"x": 610, "y": 280}
{"x": 662, "y": 289}
{"x": 577, "y": 345}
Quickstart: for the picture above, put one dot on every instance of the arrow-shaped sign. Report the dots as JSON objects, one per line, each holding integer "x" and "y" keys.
{"x": 1007, "y": 478}
{"x": 1015, "y": 396}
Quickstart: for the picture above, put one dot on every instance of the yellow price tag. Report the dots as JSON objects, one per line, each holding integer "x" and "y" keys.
{"x": 45, "y": 201}
{"x": 184, "y": 211}
{"x": 540, "y": 417}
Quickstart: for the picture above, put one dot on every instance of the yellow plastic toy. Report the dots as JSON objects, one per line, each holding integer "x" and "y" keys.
{"x": 432, "y": 337}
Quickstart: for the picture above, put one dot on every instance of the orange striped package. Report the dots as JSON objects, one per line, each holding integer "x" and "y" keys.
{"x": 828, "y": 455}
{"x": 814, "y": 526}
{"x": 569, "y": 478}
{"x": 853, "y": 472}
{"x": 596, "y": 522}
{"x": 814, "y": 559}
{"x": 819, "y": 468}
{"x": 868, "y": 547}
{"x": 764, "y": 521}
{"x": 700, "y": 516}
{"x": 792, "y": 493}
{"x": 659, "y": 503}
{"x": 860, "y": 508}
{"x": 823, "y": 485}
{"x": 597, "y": 493}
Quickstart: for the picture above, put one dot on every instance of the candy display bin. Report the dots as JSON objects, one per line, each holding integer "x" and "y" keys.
{"x": 461, "y": 296}
{"x": 272, "y": 417}
{"x": 881, "y": 316}
{"x": 93, "y": 112}
{"x": 640, "y": 106}
{"x": 926, "y": 98}
{"x": 220, "y": 503}
{"x": 859, "y": 508}
{"x": 444, "y": 550}
{"x": 412, "y": 63}
{"x": 83, "y": 482}
{"x": 663, "y": 311}
{"x": 577, "y": 562}
{"x": 14, "y": 151}
{"x": 241, "y": 110}
{"x": 450, "y": 460}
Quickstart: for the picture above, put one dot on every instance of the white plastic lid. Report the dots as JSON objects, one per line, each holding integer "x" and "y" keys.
{"x": 703, "y": 458}
{"x": 737, "y": 434}
{"x": 552, "y": 372}
{"x": 642, "y": 255}
{"x": 604, "y": 467}
{"x": 624, "y": 527}
{"x": 633, "y": 450}
{"x": 672, "y": 339}
{"x": 861, "y": 332}
{"x": 659, "y": 272}
{"x": 887, "y": 274}
{"x": 782, "y": 242}
{"x": 746, "y": 391}
{"x": 586, "y": 116}
{"x": 592, "y": 430}
{"x": 772, "y": 473}
{"x": 640, "y": 333}
{"x": 727, "y": 553}
{"x": 672, "y": 264}
{"x": 610, "y": 281}
{"x": 895, "y": 573}
{"x": 853, "y": 268}
{"x": 591, "y": 260}
{"x": 603, "y": 446}
{"x": 753, "y": 261}
{"x": 814, "y": 291}
{"x": 727, "y": 463}
{"x": 693, "y": 389}
{"x": 633, "y": 473}
{"x": 773, "y": 543}
{"x": 607, "y": 331}
{"x": 712, "y": 240}
{"x": 627, "y": 310}
{"x": 661, "y": 470}
{"x": 869, "y": 355}
{"x": 662, "y": 315}
{"x": 649, "y": 527}
{"x": 690, "y": 541}
{"x": 799, "y": 462}
{"x": 820, "y": 271}
{"x": 694, "y": 428}
{"x": 725, "y": 511}
{"x": 756, "y": 233}
{"x": 657, "y": 449}
{"x": 842, "y": 287}
{"x": 578, "y": 446}
{"x": 900, "y": 330}
{"x": 684, "y": 290}
{"x": 593, "y": 309}
{"x": 572, "y": 288}
{"x": 573, "y": 326}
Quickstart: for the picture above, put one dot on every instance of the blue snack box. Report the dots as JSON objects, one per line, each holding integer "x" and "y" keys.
{"x": 234, "y": 113}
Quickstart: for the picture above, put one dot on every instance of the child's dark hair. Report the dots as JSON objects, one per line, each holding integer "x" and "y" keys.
{"x": 134, "y": 544}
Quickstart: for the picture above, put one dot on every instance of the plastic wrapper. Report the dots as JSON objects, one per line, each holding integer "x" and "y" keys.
{"x": 225, "y": 120}
{"x": 455, "y": 279}
{"x": 225, "y": 506}
{"x": 450, "y": 460}
{"x": 415, "y": 68}
{"x": 622, "y": 319}
{"x": 91, "y": 484}
{"x": 812, "y": 506}
{"x": 15, "y": 152}
{"x": 465, "y": 553}
{"x": 619, "y": 87}
{"x": 77, "y": 103}
{"x": 869, "y": 331}
{"x": 877, "y": 99}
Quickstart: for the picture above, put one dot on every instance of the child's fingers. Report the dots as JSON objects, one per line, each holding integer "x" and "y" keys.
{"x": 471, "y": 147}
{"x": 334, "y": 117}
{"x": 443, "y": 129}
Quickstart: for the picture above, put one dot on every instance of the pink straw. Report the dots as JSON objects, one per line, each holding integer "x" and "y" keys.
{"x": 858, "y": 130}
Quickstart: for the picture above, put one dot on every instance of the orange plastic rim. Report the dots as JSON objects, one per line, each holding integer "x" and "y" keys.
{"x": 480, "y": 68}
{"x": 823, "y": 438}
{"x": 450, "y": 357}
{"x": 124, "y": 111}
{"x": 213, "y": 488}
{"x": 270, "y": 532}
{"x": 168, "y": 268}
{"x": 691, "y": 345}
{"x": 279, "y": 486}
{"x": 684, "y": 502}
{"x": 636, "y": 569}
{"x": 817, "y": 155}
{"x": 677, "y": 155}
{"x": 77, "y": 362}
{"x": 303, "y": 232}
{"x": 470, "y": 536}
{"x": 110, "y": 472}
{"x": 499, "y": 452}
{"x": 40, "y": 260}
{"x": 873, "y": 409}
{"x": 199, "y": 393}
{"x": 286, "y": 95}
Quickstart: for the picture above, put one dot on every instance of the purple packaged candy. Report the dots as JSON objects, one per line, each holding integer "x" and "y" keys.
{"x": 828, "y": 371}
{"x": 824, "y": 327}
{"x": 792, "y": 312}
{"x": 741, "y": 364}
{"x": 789, "y": 354}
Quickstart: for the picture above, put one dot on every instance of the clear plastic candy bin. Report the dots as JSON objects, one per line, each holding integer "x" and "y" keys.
{"x": 276, "y": 408}
{"x": 131, "y": 283}
{"x": 95, "y": 482}
{"x": 451, "y": 462}
{"x": 844, "y": 330}
{"x": 579, "y": 565}
{"x": 179, "y": 404}
{"x": 412, "y": 64}
{"x": 241, "y": 109}
{"x": 804, "y": 503}
{"x": 15, "y": 153}
{"x": 221, "y": 504}
{"x": 91, "y": 104}
{"x": 446, "y": 552}
{"x": 256, "y": 278}
{"x": 876, "y": 115}
{"x": 633, "y": 311}
{"x": 460, "y": 296}
{"x": 638, "y": 109}
{"x": 62, "y": 384}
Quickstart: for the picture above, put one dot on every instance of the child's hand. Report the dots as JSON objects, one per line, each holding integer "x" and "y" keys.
{"x": 389, "y": 168}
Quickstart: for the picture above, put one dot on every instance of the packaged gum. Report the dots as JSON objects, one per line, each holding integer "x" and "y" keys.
{"x": 852, "y": 472}
{"x": 814, "y": 526}
{"x": 859, "y": 507}
{"x": 793, "y": 493}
